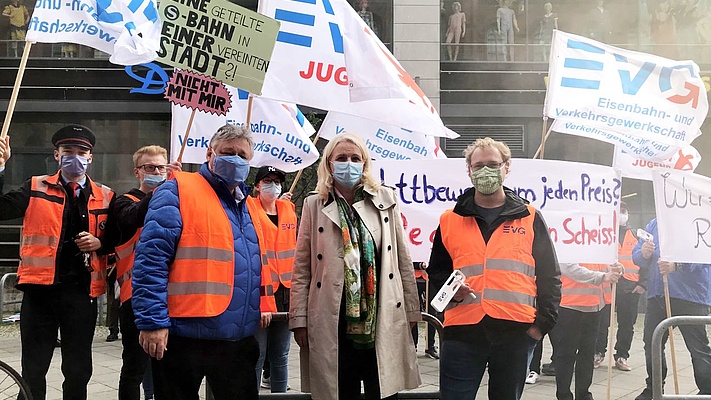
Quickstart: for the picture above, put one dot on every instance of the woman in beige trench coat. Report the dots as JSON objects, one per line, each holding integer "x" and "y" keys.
{"x": 318, "y": 300}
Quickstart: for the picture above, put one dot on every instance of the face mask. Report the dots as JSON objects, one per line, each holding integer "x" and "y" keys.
{"x": 623, "y": 219}
{"x": 347, "y": 174}
{"x": 152, "y": 181}
{"x": 270, "y": 191}
{"x": 73, "y": 166}
{"x": 232, "y": 169}
{"x": 487, "y": 180}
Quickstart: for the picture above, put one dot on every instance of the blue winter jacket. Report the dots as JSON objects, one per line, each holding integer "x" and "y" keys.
{"x": 155, "y": 252}
{"x": 690, "y": 282}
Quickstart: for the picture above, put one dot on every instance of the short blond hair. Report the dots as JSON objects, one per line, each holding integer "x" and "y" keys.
{"x": 325, "y": 176}
{"x": 152, "y": 150}
{"x": 483, "y": 143}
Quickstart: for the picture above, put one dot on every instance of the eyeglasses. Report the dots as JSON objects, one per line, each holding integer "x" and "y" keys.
{"x": 476, "y": 167}
{"x": 152, "y": 168}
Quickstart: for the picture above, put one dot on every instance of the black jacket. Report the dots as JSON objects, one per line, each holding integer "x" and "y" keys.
{"x": 130, "y": 214}
{"x": 547, "y": 270}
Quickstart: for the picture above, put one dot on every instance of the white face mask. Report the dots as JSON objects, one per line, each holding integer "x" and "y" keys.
{"x": 270, "y": 191}
{"x": 623, "y": 219}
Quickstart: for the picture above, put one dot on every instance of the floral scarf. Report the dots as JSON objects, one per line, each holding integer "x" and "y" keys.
{"x": 360, "y": 276}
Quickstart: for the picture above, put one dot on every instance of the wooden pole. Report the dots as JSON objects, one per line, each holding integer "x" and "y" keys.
{"x": 544, "y": 136}
{"x": 298, "y": 174}
{"x": 185, "y": 137}
{"x": 427, "y": 310}
{"x": 610, "y": 336}
{"x": 248, "y": 120}
{"x": 667, "y": 303}
{"x": 543, "y": 142}
{"x": 16, "y": 90}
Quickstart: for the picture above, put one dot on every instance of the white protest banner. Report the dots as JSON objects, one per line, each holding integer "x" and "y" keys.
{"x": 596, "y": 89}
{"x": 580, "y": 205}
{"x": 384, "y": 141}
{"x": 308, "y": 67}
{"x": 128, "y": 30}
{"x": 281, "y": 132}
{"x": 683, "y": 204}
{"x": 686, "y": 159}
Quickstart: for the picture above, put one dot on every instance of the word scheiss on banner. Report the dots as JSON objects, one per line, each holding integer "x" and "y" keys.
{"x": 198, "y": 92}
{"x": 128, "y": 30}
{"x": 384, "y": 141}
{"x": 281, "y": 132}
{"x": 308, "y": 67}
{"x": 683, "y": 204}
{"x": 580, "y": 202}
{"x": 219, "y": 39}
{"x": 686, "y": 159}
{"x": 649, "y": 105}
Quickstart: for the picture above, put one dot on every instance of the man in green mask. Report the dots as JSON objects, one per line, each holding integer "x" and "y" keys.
{"x": 501, "y": 244}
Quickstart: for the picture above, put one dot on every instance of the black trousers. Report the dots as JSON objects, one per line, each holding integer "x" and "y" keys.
{"x": 627, "y": 305}
{"x": 228, "y": 366}
{"x": 354, "y": 366}
{"x": 112, "y": 304}
{"x": 135, "y": 360}
{"x": 574, "y": 340}
{"x": 695, "y": 338}
{"x": 69, "y": 308}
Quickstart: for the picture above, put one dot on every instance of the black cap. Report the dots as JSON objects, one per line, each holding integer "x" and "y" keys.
{"x": 266, "y": 170}
{"x": 74, "y": 135}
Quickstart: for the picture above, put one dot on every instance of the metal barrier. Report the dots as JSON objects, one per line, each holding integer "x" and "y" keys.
{"x": 657, "y": 379}
{"x": 2, "y": 293}
{"x": 284, "y": 316}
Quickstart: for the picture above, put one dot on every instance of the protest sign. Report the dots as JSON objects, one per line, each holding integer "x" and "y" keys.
{"x": 580, "y": 202}
{"x": 384, "y": 141}
{"x": 308, "y": 67}
{"x": 128, "y": 30}
{"x": 683, "y": 205}
{"x": 198, "y": 92}
{"x": 219, "y": 39}
{"x": 686, "y": 159}
{"x": 607, "y": 93}
{"x": 281, "y": 132}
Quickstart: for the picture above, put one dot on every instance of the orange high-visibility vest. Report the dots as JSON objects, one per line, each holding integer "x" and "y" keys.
{"x": 624, "y": 256}
{"x": 277, "y": 254}
{"x": 42, "y": 231}
{"x": 584, "y": 296}
{"x": 124, "y": 261}
{"x": 501, "y": 272}
{"x": 201, "y": 277}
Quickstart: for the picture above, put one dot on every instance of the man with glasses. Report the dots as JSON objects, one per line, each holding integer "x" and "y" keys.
{"x": 197, "y": 277}
{"x": 67, "y": 234}
{"x": 501, "y": 244}
{"x": 151, "y": 168}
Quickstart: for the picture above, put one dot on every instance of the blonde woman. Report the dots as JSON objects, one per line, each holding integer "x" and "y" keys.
{"x": 353, "y": 292}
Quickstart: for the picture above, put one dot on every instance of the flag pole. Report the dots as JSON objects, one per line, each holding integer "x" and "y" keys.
{"x": 185, "y": 137}
{"x": 544, "y": 137}
{"x": 16, "y": 89}
{"x": 610, "y": 335}
{"x": 248, "y": 120}
{"x": 298, "y": 174}
{"x": 667, "y": 303}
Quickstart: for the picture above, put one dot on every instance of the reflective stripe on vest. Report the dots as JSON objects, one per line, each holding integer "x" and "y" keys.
{"x": 583, "y": 296}
{"x": 124, "y": 264}
{"x": 501, "y": 272}
{"x": 277, "y": 245}
{"x": 201, "y": 277}
{"x": 624, "y": 252}
{"x": 42, "y": 231}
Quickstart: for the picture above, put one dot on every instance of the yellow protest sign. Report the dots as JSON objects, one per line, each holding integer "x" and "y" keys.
{"x": 219, "y": 39}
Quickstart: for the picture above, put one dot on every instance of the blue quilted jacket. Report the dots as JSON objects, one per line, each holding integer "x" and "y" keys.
{"x": 155, "y": 252}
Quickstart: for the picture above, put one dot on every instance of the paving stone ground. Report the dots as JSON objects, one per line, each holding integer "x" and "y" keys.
{"x": 107, "y": 364}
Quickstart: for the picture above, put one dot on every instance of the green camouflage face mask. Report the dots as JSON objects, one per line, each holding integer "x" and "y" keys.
{"x": 487, "y": 180}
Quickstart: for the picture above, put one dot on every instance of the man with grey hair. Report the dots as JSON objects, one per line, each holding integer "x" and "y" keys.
{"x": 197, "y": 277}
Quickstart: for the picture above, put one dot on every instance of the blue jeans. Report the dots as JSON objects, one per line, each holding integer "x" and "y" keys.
{"x": 277, "y": 339}
{"x": 506, "y": 353}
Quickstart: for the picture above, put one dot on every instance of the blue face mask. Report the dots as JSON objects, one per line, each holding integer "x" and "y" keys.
{"x": 347, "y": 174}
{"x": 73, "y": 166}
{"x": 233, "y": 170}
{"x": 152, "y": 181}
